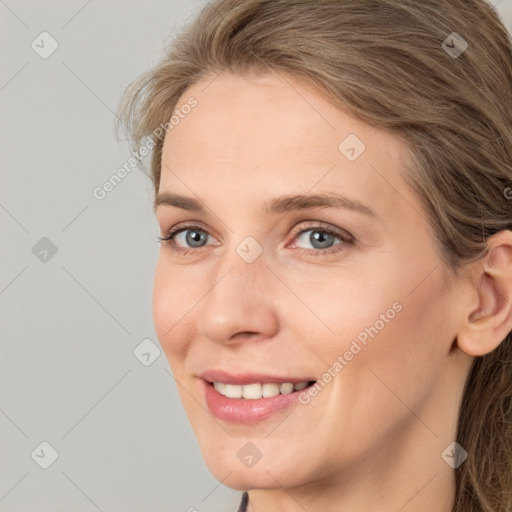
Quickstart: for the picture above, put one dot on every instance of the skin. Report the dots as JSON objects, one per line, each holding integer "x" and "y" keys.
{"x": 372, "y": 438}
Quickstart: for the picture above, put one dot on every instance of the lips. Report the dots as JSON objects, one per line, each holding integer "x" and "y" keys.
{"x": 250, "y": 398}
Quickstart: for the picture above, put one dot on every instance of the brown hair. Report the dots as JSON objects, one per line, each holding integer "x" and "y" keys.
{"x": 385, "y": 63}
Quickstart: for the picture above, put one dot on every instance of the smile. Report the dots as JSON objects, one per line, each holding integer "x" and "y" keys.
{"x": 248, "y": 399}
{"x": 258, "y": 390}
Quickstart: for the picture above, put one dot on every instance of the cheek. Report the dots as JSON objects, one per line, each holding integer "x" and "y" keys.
{"x": 403, "y": 359}
{"x": 171, "y": 310}
{"x": 354, "y": 307}
{"x": 382, "y": 309}
{"x": 388, "y": 338}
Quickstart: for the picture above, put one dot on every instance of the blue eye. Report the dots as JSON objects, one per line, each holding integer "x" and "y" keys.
{"x": 319, "y": 238}
{"x": 190, "y": 237}
{"x": 324, "y": 239}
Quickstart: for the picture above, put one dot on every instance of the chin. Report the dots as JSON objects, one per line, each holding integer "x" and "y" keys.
{"x": 247, "y": 479}
{"x": 263, "y": 474}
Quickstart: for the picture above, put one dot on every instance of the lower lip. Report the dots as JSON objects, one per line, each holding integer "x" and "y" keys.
{"x": 245, "y": 411}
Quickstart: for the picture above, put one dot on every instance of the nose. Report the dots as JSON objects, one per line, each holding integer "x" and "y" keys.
{"x": 239, "y": 303}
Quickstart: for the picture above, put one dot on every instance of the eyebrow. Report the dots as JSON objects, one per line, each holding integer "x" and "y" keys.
{"x": 278, "y": 205}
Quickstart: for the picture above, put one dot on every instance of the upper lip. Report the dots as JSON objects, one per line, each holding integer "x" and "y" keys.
{"x": 249, "y": 378}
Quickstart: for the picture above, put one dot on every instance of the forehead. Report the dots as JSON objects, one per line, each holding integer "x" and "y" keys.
{"x": 253, "y": 135}
{"x": 268, "y": 115}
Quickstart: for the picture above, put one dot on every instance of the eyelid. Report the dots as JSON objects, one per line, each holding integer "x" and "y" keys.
{"x": 322, "y": 226}
{"x": 183, "y": 226}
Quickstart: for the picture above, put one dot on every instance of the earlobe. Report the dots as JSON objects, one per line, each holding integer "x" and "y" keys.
{"x": 489, "y": 323}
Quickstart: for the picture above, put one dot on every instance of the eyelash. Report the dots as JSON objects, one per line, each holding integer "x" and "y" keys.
{"x": 346, "y": 239}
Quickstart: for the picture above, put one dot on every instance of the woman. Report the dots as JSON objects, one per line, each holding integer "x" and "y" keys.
{"x": 334, "y": 286}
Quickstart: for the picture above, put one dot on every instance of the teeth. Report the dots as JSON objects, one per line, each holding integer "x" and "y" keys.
{"x": 252, "y": 391}
{"x": 270, "y": 389}
{"x": 286, "y": 388}
{"x": 257, "y": 390}
{"x": 220, "y": 387}
{"x": 233, "y": 391}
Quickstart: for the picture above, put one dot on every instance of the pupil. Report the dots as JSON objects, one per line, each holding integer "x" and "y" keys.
{"x": 321, "y": 240}
{"x": 194, "y": 238}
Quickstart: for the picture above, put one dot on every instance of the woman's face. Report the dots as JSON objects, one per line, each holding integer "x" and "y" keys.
{"x": 302, "y": 256}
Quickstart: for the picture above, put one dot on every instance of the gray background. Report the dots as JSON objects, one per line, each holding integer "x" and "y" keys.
{"x": 71, "y": 320}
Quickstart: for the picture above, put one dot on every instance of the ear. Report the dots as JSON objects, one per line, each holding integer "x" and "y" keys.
{"x": 488, "y": 318}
